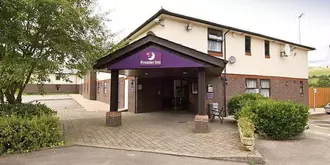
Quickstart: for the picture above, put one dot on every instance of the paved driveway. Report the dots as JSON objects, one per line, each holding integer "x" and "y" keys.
{"x": 29, "y": 98}
{"x": 98, "y": 156}
{"x": 158, "y": 132}
{"x": 312, "y": 149}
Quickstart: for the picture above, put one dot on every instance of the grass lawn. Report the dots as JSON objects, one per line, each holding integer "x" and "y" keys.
{"x": 318, "y": 71}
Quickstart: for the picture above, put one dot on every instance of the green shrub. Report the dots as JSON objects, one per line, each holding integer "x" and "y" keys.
{"x": 236, "y": 103}
{"x": 245, "y": 112}
{"x": 247, "y": 126}
{"x": 279, "y": 119}
{"x": 28, "y": 134}
{"x": 24, "y": 110}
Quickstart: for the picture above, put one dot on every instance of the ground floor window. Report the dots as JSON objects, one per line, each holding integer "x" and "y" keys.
{"x": 251, "y": 85}
{"x": 98, "y": 87}
{"x": 265, "y": 88}
{"x": 301, "y": 89}
{"x": 194, "y": 88}
{"x": 105, "y": 88}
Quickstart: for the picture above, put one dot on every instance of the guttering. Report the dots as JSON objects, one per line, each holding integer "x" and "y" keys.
{"x": 225, "y": 73}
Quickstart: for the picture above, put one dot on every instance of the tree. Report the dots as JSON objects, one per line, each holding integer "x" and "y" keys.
{"x": 38, "y": 37}
{"x": 323, "y": 81}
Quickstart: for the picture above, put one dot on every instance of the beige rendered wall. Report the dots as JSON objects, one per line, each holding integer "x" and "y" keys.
{"x": 256, "y": 64}
{"x": 175, "y": 31}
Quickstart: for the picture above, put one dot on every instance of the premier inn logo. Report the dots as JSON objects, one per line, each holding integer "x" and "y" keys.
{"x": 151, "y": 59}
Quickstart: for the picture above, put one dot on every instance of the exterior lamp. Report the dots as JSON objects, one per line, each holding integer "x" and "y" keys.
{"x": 189, "y": 27}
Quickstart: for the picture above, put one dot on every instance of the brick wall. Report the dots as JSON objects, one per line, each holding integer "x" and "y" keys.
{"x": 103, "y": 90}
{"x": 52, "y": 88}
{"x": 89, "y": 86}
{"x": 278, "y": 88}
{"x": 149, "y": 100}
{"x": 218, "y": 91}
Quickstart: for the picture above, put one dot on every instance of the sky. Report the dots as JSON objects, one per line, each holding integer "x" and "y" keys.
{"x": 275, "y": 18}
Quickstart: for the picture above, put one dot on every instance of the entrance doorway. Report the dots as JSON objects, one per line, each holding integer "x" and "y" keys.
{"x": 175, "y": 94}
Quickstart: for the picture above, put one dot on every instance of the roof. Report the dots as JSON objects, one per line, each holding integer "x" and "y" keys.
{"x": 163, "y": 11}
{"x": 151, "y": 39}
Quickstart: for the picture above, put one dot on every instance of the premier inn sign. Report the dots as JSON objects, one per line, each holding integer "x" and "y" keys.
{"x": 154, "y": 58}
{"x": 151, "y": 59}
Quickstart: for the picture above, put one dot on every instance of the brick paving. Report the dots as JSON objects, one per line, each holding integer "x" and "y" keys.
{"x": 159, "y": 132}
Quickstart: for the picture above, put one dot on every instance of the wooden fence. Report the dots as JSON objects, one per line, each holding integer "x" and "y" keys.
{"x": 322, "y": 97}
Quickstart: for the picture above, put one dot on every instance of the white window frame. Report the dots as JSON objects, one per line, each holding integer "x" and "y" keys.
{"x": 264, "y": 88}
{"x": 249, "y": 89}
{"x": 216, "y": 37}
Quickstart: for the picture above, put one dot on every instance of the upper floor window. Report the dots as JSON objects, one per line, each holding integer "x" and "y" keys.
{"x": 247, "y": 45}
{"x": 215, "y": 40}
{"x": 57, "y": 77}
{"x": 267, "y": 49}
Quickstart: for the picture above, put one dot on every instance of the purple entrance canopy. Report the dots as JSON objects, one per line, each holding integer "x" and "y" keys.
{"x": 155, "y": 52}
{"x": 152, "y": 57}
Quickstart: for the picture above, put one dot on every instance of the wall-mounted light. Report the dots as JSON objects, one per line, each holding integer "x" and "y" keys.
{"x": 132, "y": 82}
{"x": 159, "y": 21}
{"x": 146, "y": 73}
{"x": 225, "y": 80}
{"x": 233, "y": 34}
{"x": 286, "y": 83}
{"x": 189, "y": 27}
{"x": 184, "y": 73}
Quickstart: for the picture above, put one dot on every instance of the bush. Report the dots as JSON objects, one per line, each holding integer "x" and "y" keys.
{"x": 28, "y": 134}
{"x": 245, "y": 113}
{"x": 236, "y": 103}
{"x": 247, "y": 127}
{"x": 279, "y": 119}
{"x": 24, "y": 110}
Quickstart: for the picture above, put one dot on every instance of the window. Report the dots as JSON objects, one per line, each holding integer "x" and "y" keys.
{"x": 194, "y": 88}
{"x": 267, "y": 49}
{"x": 248, "y": 45}
{"x": 58, "y": 87}
{"x": 215, "y": 40}
{"x": 57, "y": 77}
{"x": 105, "y": 88}
{"x": 98, "y": 87}
{"x": 265, "y": 88}
{"x": 251, "y": 85}
{"x": 301, "y": 87}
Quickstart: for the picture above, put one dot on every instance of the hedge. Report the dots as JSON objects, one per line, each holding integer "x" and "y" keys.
{"x": 279, "y": 119}
{"x": 24, "y": 134}
{"x": 236, "y": 103}
{"x": 24, "y": 110}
